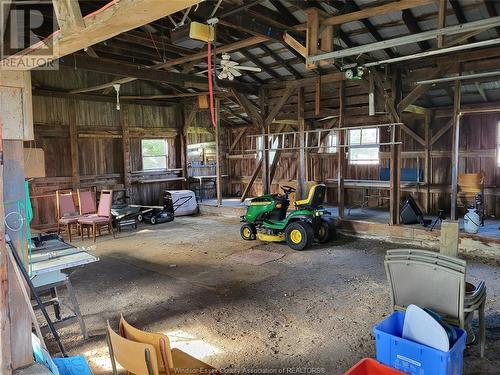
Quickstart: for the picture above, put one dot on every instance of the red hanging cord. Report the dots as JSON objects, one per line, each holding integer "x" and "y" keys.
{"x": 210, "y": 85}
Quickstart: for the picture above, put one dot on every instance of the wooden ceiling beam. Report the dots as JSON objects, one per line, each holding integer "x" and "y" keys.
{"x": 375, "y": 11}
{"x": 136, "y": 72}
{"x": 258, "y": 63}
{"x": 186, "y": 59}
{"x": 112, "y": 19}
{"x": 282, "y": 61}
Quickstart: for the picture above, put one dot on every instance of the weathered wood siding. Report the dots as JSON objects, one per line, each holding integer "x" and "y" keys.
{"x": 100, "y": 148}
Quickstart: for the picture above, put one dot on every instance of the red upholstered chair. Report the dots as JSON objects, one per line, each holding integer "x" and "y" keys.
{"x": 102, "y": 218}
{"x": 67, "y": 214}
{"x": 86, "y": 202}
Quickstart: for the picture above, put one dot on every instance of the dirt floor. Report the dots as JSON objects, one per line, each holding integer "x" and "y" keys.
{"x": 310, "y": 309}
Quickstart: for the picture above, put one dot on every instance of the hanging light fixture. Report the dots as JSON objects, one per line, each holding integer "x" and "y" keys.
{"x": 117, "y": 89}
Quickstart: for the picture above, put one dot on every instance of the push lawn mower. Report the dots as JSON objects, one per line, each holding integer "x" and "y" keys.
{"x": 266, "y": 219}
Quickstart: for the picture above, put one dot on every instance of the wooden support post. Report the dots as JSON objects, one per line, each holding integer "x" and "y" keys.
{"x": 317, "y": 97}
{"x": 301, "y": 162}
{"x": 73, "y": 135}
{"x": 455, "y": 150}
{"x": 5, "y": 343}
{"x": 184, "y": 159}
{"x": 127, "y": 167}
{"x": 427, "y": 162}
{"x": 448, "y": 243}
{"x": 189, "y": 113}
{"x": 341, "y": 152}
{"x": 218, "y": 153}
{"x": 312, "y": 34}
{"x": 16, "y": 126}
{"x": 13, "y": 183}
{"x": 252, "y": 180}
{"x": 266, "y": 188}
{"x": 327, "y": 44}
{"x": 395, "y": 175}
{"x": 441, "y": 20}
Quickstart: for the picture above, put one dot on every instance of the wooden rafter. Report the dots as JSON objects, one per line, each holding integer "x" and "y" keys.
{"x": 287, "y": 92}
{"x": 186, "y": 59}
{"x": 441, "y": 21}
{"x": 369, "y": 26}
{"x": 251, "y": 109}
{"x": 112, "y": 19}
{"x": 374, "y": 11}
{"x": 133, "y": 73}
{"x": 413, "y": 26}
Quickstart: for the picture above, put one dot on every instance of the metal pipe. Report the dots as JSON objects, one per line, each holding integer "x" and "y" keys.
{"x": 458, "y": 78}
{"x": 414, "y": 38}
{"x": 483, "y": 43}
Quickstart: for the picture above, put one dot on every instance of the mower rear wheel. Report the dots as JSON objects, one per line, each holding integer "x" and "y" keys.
{"x": 248, "y": 232}
{"x": 326, "y": 230}
{"x": 299, "y": 235}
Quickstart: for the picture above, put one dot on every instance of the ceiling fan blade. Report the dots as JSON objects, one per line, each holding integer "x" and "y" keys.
{"x": 234, "y": 72}
{"x": 228, "y": 63}
{"x": 249, "y": 68}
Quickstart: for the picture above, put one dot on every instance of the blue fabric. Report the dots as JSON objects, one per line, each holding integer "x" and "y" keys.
{"x": 72, "y": 366}
{"x": 407, "y": 174}
{"x": 42, "y": 356}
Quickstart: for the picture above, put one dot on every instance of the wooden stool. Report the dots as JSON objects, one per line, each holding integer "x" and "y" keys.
{"x": 48, "y": 283}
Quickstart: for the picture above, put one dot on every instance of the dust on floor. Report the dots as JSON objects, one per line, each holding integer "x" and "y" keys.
{"x": 310, "y": 309}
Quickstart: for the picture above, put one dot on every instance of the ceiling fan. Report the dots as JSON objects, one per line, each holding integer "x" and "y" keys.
{"x": 231, "y": 69}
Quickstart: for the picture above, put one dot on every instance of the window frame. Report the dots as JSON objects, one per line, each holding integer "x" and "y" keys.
{"x": 165, "y": 155}
{"x": 363, "y": 145}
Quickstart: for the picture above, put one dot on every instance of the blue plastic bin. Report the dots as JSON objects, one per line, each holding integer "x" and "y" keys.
{"x": 414, "y": 358}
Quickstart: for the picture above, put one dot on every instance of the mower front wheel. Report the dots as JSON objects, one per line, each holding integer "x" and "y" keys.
{"x": 299, "y": 235}
{"x": 326, "y": 230}
{"x": 248, "y": 232}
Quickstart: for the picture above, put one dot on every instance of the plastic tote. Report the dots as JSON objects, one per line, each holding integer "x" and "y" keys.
{"x": 412, "y": 357}
{"x": 369, "y": 366}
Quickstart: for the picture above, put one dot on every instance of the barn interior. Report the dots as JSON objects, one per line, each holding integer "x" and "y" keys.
{"x": 387, "y": 110}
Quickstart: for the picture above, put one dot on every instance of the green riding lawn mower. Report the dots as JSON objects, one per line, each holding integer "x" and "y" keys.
{"x": 266, "y": 219}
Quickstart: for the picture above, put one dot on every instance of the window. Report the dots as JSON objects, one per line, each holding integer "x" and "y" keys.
{"x": 331, "y": 143}
{"x": 498, "y": 144}
{"x": 154, "y": 154}
{"x": 363, "y": 148}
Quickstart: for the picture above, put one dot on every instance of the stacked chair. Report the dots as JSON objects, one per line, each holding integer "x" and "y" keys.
{"x": 435, "y": 281}
{"x": 146, "y": 353}
{"x": 102, "y": 218}
{"x": 67, "y": 214}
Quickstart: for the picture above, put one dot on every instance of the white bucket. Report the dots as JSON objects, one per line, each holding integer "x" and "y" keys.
{"x": 471, "y": 221}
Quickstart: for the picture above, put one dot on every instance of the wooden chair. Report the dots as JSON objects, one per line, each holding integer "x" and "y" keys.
{"x": 86, "y": 202}
{"x": 103, "y": 218}
{"x": 172, "y": 361}
{"x": 67, "y": 214}
{"x": 135, "y": 357}
{"x": 469, "y": 185}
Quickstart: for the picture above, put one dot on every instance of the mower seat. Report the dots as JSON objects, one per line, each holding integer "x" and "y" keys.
{"x": 314, "y": 199}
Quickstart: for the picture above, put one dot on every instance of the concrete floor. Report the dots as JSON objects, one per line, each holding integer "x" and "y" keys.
{"x": 314, "y": 308}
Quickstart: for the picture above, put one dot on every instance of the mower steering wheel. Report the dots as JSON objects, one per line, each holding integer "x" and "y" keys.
{"x": 288, "y": 189}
